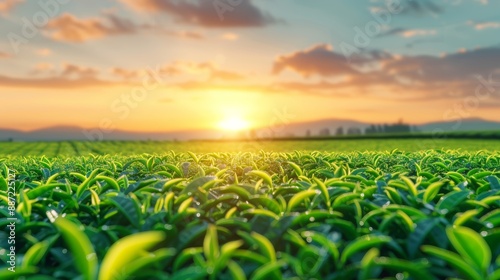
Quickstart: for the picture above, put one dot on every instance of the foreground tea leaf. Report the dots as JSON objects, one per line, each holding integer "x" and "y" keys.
{"x": 432, "y": 190}
{"x": 362, "y": 243}
{"x": 264, "y": 176}
{"x": 450, "y": 201}
{"x": 367, "y": 263}
{"x": 266, "y": 247}
{"x": 79, "y": 244}
{"x": 211, "y": 244}
{"x": 6, "y": 274}
{"x": 417, "y": 237}
{"x": 299, "y": 198}
{"x": 454, "y": 260}
{"x": 268, "y": 271}
{"x": 417, "y": 270}
{"x": 296, "y": 168}
{"x": 143, "y": 262}
{"x": 464, "y": 217}
{"x": 35, "y": 254}
{"x": 124, "y": 251}
{"x": 128, "y": 207}
{"x": 471, "y": 246}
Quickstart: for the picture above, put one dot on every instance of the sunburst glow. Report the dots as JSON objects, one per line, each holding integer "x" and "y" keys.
{"x": 234, "y": 123}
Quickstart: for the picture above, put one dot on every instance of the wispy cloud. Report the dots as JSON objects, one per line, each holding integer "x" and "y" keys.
{"x": 43, "y": 67}
{"x": 411, "y": 7}
{"x": 408, "y": 33}
{"x": 52, "y": 82}
{"x": 77, "y": 71}
{"x": 125, "y": 74}
{"x": 4, "y": 55}
{"x": 46, "y": 75}
{"x": 7, "y": 5}
{"x": 43, "y": 52}
{"x": 204, "y": 70}
{"x": 69, "y": 28}
{"x": 204, "y": 13}
{"x": 185, "y": 34}
{"x": 230, "y": 36}
{"x": 418, "y": 32}
{"x": 487, "y": 25}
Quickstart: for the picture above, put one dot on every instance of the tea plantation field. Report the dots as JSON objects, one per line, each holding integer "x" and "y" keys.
{"x": 140, "y": 210}
{"x": 77, "y": 148}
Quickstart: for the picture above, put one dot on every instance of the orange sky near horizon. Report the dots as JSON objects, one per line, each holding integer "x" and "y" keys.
{"x": 206, "y": 110}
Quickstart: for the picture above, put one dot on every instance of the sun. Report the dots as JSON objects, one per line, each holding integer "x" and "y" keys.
{"x": 234, "y": 123}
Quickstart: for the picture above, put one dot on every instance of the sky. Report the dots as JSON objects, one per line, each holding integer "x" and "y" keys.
{"x": 166, "y": 65}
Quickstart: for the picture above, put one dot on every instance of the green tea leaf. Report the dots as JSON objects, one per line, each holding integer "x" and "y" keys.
{"x": 265, "y": 246}
{"x": 432, "y": 190}
{"x": 211, "y": 244}
{"x": 79, "y": 244}
{"x": 454, "y": 260}
{"x": 299, "y": 198}
{"x": 268, "y": 271}
{"x": 471, "y": 246}
{"x": 451, "y": 201}
{"x": 126, "y": 250}
{"x": 362, "y": 243}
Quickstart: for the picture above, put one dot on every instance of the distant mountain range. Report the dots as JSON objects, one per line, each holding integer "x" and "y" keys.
{"x": 311, "y": 128}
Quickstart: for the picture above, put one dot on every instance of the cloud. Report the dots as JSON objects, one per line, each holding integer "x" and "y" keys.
{"x": 492, "y": 105}
{"x": 66, "y": 70}
{"x": 8, "y": 5}
{"x": 431, "y": 76}
{"x": 206, "y": 70}
{"x": 4, "y": 55}
{"x": 409, "y": 7}
{"x": 320, "y": 59}
{"x": 206, "y": 13}
{"x": 52, "y": 82}
{"x": 457, "y": 66}
{"x": 188, "y": 74}
{"x": 217, "y": 74}
{"x": 408, "y": 33}
{"x": 421, "y": 41}
{"x": 43, "y": 52}
{"x": 125, "y": 74}
{"x": 421, "y": 7}
{"x": 43, "y": 67}
{"x": 69, "y": 28}
{"x": 67, "y": 76}
{"x": 230, "y": 36}
{"x": 487, "y": 25}
{"x": 392, "y": 31}
{"x": 185, "y": 34}
{"x": 72, "y": 70}
{"x": 417, "y": 32}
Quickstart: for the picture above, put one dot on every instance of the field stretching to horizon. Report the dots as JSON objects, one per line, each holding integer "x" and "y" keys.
{"x": 76, "y": 148}
{"x": 349, "y": 209}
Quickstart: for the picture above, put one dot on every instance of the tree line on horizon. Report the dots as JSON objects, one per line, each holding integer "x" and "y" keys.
{"x": 399, "y": 127}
